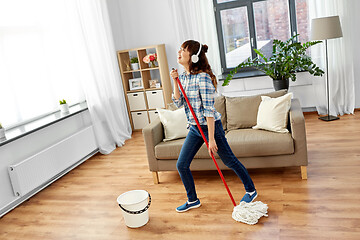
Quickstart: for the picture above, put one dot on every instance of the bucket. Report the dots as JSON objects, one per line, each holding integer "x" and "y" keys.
{"x": 134, "y": 205}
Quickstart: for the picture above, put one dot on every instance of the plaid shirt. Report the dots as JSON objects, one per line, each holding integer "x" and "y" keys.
{"x": 201, "y": 93}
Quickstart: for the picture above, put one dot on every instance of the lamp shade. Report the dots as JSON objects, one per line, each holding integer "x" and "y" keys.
{"x": 326, "y": 28}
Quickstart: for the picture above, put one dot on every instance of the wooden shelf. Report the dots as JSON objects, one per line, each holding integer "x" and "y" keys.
{"x": 145, "y": 72}
{"x": 136, "y": 90}
{"x": 132, "y": 71}
{"x": 152, "y": 89}
{"x": 148, "y": 69}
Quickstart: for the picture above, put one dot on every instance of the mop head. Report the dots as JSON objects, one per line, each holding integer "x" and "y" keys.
{"x": 249, "y": 213}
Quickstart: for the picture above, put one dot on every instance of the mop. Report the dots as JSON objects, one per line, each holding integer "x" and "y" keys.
{"x": 248, "y": 213}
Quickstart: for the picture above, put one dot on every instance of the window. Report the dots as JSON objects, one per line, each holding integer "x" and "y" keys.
{"x": 245, "y": 25}
{"x": 37, "y": 63}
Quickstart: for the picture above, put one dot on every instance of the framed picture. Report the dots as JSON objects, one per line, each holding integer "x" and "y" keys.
{"x": 135, "y": 83}
{"x": 154, "y": 83}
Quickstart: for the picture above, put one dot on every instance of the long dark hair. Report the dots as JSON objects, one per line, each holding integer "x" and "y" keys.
{"x": 202, "y": 65}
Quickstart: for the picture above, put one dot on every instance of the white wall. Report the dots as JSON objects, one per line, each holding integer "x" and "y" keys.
{"x": 138, "y": 23}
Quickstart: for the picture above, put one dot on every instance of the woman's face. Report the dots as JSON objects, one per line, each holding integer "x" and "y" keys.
{"x": 183, "y": 56}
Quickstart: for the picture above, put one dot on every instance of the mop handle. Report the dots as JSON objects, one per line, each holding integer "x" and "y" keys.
{"x": 206, "y": 142}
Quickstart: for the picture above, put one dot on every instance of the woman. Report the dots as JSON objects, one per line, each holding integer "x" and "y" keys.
{"x": 200, "y": 84}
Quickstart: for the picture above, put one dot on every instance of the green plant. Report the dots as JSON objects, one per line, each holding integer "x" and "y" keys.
{"x": 0, "y": 126}
{"x": 134, "y": 60}
{"x": 287, "y": 58}
{"x": 62, "y": 102}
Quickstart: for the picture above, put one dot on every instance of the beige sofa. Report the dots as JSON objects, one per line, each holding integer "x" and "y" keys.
{"x": 254, "y": 148}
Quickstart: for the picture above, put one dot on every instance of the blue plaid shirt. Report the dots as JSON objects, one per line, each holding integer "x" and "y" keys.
{"x": 201, "y": 93}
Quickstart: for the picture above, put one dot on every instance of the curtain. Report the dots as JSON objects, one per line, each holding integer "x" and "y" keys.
{"x": 36, "y": 62}
{"x": 196, "y": 20}
{"x": 100, "y": 76}
{"x": 340, "y": 58}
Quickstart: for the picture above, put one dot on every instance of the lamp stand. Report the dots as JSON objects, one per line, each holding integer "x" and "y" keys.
{"x": 328, "y": 117}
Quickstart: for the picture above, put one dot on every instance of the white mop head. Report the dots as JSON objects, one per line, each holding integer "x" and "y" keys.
{"x": 249, "y": 213}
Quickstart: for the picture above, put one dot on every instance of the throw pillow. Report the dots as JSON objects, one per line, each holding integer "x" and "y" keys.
{"x": 220, "y": 107}
{"x": 174, "y": 123}
{"x": 241, "y": 112}
{"x": 273, "y": 113}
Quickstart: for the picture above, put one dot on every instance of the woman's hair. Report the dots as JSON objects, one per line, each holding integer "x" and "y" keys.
{"x": 202, "y": 65}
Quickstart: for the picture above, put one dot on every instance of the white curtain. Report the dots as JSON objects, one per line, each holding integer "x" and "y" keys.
{"x": 100, "y": 76}
{"x": 340, "y": 57}
{"x": 36, "y": 63}
{"x": 196, "y": 20}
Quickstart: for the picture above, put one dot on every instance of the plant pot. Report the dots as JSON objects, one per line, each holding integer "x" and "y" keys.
{"x": 135, "y": 66}
{"x": 64, "y": 108}
{"x": 281, "y": 84}
{"x": 2, "y": 133}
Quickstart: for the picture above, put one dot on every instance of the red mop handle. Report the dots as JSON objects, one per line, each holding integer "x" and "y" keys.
{"x": 206, "y": 142}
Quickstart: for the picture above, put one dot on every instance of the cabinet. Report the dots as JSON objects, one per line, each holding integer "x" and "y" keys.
{"x": 142, "y": 99}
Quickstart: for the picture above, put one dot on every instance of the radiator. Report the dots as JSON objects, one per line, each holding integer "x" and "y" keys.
{"x": 38, "y": 169}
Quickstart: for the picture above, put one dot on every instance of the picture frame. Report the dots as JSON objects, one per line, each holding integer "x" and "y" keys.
{"x": 135, "y": 83}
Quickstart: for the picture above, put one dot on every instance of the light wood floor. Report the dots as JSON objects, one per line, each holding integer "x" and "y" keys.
{"x": 82, "y": 204}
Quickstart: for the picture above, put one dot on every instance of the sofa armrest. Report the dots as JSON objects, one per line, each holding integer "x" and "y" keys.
{"x": 153, "y": 135}
{"x": 298, "y": 132}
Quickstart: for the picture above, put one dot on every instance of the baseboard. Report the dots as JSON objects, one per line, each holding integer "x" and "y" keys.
{"x": 309, "y": 109}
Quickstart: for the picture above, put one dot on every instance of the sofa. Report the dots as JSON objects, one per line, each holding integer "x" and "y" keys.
{"x": 254, "y": 148}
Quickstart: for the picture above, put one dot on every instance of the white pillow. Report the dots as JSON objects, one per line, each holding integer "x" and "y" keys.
{"x": 174, "y": 123}
{"x": 273, "y": 113}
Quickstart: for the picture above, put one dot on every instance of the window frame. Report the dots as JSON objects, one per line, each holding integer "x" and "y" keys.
{"x": 218, "y": 7}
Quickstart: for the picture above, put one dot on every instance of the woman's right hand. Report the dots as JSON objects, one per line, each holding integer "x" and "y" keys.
{"x": 174, "y": 74}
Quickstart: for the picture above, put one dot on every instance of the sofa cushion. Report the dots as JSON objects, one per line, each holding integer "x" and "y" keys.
{"x": 241, "y": 112}
{"x": 220, "y": 107}
{"x": 251, "y": 143}
{"x": 243, "y": 142}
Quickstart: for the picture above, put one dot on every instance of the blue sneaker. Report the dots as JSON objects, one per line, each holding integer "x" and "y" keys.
{"x": 188, "y": 206}
{"x": 247, "y": 198}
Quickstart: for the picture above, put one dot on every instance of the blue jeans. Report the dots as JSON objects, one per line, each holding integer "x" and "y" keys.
{"x": 192, "y": 144}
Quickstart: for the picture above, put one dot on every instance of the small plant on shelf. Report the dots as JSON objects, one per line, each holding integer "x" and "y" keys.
{"x": 134, "y": 60}
{"x": 64, "y": 108}
{"x": 134, "y": 63}
{"x": 62, "y": 102}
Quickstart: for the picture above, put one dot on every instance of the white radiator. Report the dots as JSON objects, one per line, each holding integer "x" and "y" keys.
{"x": 43, "y": 166}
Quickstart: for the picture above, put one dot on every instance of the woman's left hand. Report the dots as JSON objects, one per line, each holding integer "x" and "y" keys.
{"x": 212, "y": 147}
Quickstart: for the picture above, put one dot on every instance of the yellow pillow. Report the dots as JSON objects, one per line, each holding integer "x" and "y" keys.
{"x": 273, "y": 113}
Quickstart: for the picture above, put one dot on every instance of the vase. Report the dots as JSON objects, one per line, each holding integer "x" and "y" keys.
{"x": 281, "y": 84}
{"x": 64, "y": 108}
{"x": 152, "y": 64}
{"x": 135, "y": 66}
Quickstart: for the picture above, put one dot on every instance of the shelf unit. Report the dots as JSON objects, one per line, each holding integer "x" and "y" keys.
{"x": 142, "y": 103}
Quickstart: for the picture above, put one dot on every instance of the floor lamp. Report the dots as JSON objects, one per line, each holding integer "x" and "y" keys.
{"x": 324, "y": 29}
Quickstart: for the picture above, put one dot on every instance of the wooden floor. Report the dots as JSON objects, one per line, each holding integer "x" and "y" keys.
{"x": 82, "y": 204}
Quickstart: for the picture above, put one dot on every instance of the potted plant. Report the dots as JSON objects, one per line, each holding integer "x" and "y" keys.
{"x": 134, "y": 63}
{"x": 64, "y": 108}
{"x": 2, "y": 132}
{"x": 287, "y": 58}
